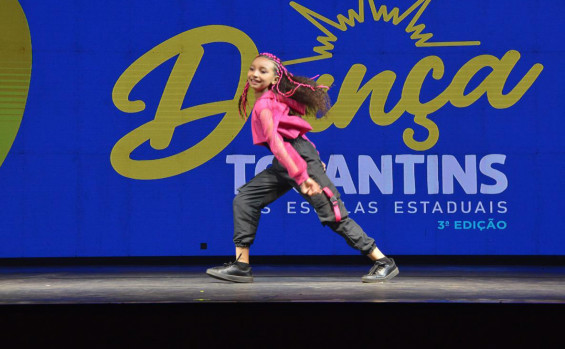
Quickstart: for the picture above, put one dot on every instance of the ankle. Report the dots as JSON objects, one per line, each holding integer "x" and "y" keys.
{"x": 242, "y": 264}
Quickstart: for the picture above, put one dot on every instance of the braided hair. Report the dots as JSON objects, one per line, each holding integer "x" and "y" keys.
{"x": 302, "y": 89}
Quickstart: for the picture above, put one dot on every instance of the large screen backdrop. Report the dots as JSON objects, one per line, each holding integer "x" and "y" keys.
{"x": 119, "y": 131}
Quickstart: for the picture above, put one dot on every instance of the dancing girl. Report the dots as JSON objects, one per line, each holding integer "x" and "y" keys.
{"x": 281, "y": 98}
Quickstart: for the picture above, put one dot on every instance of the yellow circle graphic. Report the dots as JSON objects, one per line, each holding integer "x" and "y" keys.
{"x": 15, "y": 71}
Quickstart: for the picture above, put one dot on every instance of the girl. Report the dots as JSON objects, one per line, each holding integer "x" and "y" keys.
{"x": 280, "y": 96}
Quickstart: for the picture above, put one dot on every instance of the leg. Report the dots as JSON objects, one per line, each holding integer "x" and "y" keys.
{"x": 384, "y": 268}
{"x": 376, "y": 254}
{"x": 345, "y": 226}
{"x": 263, "y": 189}
{"x": 242, "y": 254}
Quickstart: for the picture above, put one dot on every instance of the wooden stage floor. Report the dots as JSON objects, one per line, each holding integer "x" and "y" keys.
{"x": 280, "y": 283}
{"x": 288, "y": 306}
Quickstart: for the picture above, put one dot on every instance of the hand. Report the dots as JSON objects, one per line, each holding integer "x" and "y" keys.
{"x": 324, "y": 165}
{"x": 310, "y": 187}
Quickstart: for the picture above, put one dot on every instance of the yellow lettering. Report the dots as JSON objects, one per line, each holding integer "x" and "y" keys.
{"x": 188, "y": 47}
{"x": 494, "y": 83}
{"x": 352, "y": 95}
{"x": 411, "y": 98}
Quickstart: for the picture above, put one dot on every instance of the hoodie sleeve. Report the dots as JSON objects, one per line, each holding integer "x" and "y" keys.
{"x": 283, "y": 151}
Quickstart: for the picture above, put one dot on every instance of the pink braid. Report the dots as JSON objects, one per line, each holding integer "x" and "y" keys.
{"x": 244, "y": 100}
{"x": 281, "y": 70}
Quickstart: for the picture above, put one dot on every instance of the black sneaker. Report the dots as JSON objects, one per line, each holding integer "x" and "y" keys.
{"x": 383, "y": 270}
{"x": 232, "y": 271}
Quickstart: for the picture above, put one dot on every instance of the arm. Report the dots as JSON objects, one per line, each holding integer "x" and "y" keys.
{"x": 288, "y": 156}
{"x": 310, "y": 187}
{"x": 283, "y": 151}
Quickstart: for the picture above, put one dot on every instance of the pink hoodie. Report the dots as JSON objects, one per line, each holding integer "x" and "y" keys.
{"x": 270, "y": 123}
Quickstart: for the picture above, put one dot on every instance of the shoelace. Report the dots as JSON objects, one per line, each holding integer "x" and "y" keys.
{"x": 376, "y": 267}
{"x": 232, "y": 263}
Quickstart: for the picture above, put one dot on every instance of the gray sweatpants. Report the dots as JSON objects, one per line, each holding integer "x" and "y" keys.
{"x": 274, "y": 181}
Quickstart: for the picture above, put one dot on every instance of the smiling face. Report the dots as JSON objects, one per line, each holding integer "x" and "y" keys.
{"x": 262, "y": 74}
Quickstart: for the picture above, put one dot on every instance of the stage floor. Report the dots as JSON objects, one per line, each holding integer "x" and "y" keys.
{"x": 280, "y": 283}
